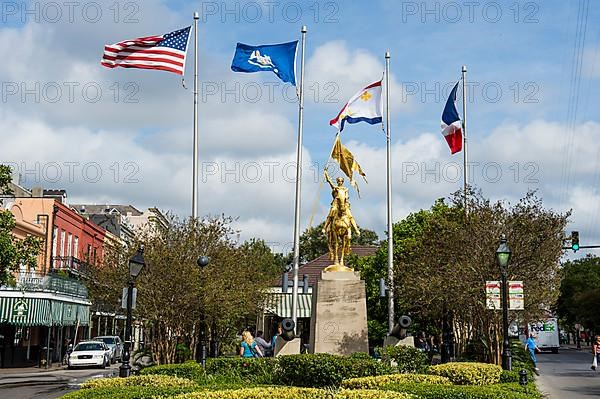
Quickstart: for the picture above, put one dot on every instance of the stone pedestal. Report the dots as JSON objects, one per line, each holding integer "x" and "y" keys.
{"x": 339, "y": 314}
{"x": 283, "y": 347}
{"x": 393, "y": 341}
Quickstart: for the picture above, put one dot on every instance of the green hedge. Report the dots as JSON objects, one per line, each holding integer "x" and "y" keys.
{"x": 131, "y": 392}
{"x": 498, "y": 391}
{"x": 314, "y": 371}
{"x": 406, "y": 359}
{"x": 468, "y": 373}
{"x": 509, "y": 376}
{"x": 163, "y": 381}
{"x": 382, "y": 380}
{"x": 293, "y": 393}
{"x": 190, "y": 370}
{"x": 324, "y": 370}
{"x": 237, "y": 369}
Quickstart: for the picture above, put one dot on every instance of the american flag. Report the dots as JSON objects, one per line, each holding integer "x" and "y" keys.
{"x": 164, "y": 52}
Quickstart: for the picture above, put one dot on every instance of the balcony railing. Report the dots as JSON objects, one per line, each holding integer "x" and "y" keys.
{"x": 51, "y": 283}
{"x": 69, "y": 264}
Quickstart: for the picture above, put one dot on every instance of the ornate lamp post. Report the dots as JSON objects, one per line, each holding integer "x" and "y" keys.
{"x": 203, "y": 261}
{"x": 136, "y": 264}
{"x": 502, "y": 258}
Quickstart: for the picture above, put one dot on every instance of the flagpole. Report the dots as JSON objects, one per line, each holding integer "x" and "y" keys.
{"x": 298, "y": 185}
{"x": 195, "y": 162}
{"x": 464, "y": 129}
{"x": 389, "y": 198}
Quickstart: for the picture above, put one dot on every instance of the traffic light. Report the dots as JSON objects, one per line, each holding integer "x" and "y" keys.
{"x": 575, "y": 241}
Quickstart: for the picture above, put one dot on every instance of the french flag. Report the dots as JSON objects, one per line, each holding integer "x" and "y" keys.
{"x": 451, "y": 123}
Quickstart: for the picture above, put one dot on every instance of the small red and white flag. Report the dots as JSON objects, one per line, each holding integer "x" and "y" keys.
{"x": 451, "y": 123}
{"x": 163, "y": 52}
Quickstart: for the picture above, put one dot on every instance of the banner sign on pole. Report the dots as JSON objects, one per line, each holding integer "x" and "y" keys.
{"x": 493, "y": 295}
{"x": 516, "y": 298}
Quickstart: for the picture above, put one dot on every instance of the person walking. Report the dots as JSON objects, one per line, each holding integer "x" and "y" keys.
{"x": 596, "y": 352}
{"x": 265, "y": 347}
{"x": 248, "y": 347}
{"x": 531, "y": 346}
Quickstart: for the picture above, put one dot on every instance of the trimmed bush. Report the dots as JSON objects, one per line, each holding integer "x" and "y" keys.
{"x": 294, "y": 393}
{"x": 498, "y": 391}
{"x": 468, "y": 373}
{"x": 360, "y": 356}
{"x": 509, "y": 376}
{"x": 189, "y": 370}
{"x": 126, "y": 393}
{"x": 324, "y": 370}
{"x": 382, "y": 380}
{"x": 371, "y": 394}
{"x": 406, "y": 359}
{"x": 161, "y": 381}
{"x": 237, "y": 369}
{"x": 259, "y": 393}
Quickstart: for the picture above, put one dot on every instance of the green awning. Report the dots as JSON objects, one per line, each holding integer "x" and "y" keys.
{"x": 83, "y": 313}
{"x": 56, "y": 308}
{"x": 42, "y": 312}
{"x": 281, "y": 304}
{"x": 25, "y": 311}
{"x": 69, "y": 314}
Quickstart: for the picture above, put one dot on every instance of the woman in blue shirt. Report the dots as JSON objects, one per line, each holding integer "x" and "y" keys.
{"x": 249, "y": 348}
{"x": 531, "y": 346}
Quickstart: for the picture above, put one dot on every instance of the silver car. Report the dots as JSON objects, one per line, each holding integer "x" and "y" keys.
{"x": 115, "y": 344}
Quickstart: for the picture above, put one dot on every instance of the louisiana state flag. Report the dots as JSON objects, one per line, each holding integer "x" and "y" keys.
{"x": 277, "y": 58}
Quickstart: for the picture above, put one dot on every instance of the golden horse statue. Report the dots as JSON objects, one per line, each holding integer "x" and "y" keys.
{"x": 338, "y": 226}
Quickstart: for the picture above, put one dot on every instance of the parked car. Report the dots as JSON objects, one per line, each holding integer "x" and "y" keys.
{"x": 90, "y": 353}
{"x": 115, "y": 344}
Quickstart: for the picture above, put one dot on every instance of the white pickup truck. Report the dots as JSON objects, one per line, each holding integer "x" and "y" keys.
{"x": 547, "y": 334}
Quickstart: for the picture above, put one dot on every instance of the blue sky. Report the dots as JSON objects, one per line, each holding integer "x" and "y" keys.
{"x": 532, "y": 67}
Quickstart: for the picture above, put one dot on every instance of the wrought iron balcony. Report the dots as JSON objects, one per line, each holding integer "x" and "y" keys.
{"x": 69, "y": 264}
{"x": 50, "y": 283}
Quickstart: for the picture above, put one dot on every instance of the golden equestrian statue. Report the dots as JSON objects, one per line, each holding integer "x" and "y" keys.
{"x": 338, "y": 225}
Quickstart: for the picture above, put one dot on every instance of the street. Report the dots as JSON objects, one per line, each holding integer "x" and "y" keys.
{"x": 48, "y": 385}
{"x": 568, "y": 375}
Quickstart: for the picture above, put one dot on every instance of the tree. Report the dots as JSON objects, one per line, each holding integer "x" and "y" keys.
{"x": 13, "y": 252}
{"x": 443, "y": 258}
{"x": 580, "y": 293}
{"x": 176, "y": 296}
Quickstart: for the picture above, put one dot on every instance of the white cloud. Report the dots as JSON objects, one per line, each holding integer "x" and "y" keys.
{"x": 348, "y": 71}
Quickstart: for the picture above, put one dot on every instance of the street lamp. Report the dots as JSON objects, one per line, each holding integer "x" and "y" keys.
{"x": 203, "y": 261}
{"x": 136, "y": 264}
{"x": 502, "y": 258}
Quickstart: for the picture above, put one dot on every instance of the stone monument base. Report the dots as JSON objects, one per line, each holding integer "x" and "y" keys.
{"x": 283, "y": 347}
{"x": 393, "y": 341}
{"x": 339, "y": 314}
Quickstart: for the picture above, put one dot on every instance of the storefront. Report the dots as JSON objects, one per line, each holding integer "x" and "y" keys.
{"x": 32, "y": 322}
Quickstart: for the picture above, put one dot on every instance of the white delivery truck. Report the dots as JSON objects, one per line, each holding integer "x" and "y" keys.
{"x": 547, "y": 334}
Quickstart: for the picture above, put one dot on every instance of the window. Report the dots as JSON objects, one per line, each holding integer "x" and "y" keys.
{"x": 63, "y": 235}
{"x": 70, "y": 245}
{"x": 54, "y": 241}
{"x": 76, "y": 247}
{"x": 95, "y": 255}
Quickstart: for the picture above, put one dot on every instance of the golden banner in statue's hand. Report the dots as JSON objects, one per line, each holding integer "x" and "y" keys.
{"x": 347, "y": 162}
